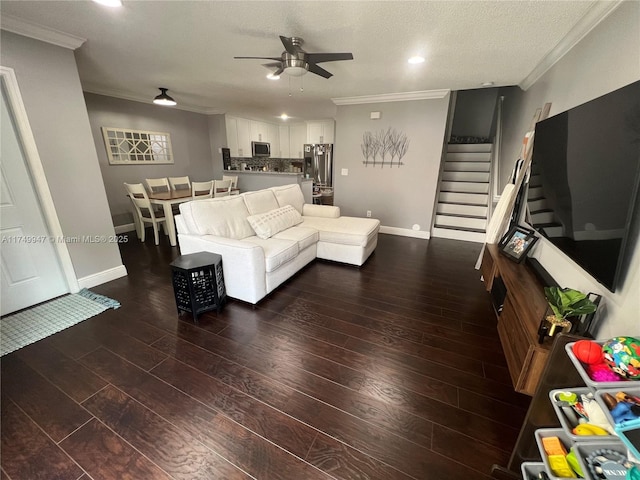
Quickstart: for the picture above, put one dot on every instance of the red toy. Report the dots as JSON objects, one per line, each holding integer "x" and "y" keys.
{"x": 588, "y": 352}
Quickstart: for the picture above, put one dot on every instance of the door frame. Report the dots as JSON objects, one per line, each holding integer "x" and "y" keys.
{"x": 36, "y": 172}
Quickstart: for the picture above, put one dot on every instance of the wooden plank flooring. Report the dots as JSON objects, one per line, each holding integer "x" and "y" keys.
{"x": 391, "y": 371}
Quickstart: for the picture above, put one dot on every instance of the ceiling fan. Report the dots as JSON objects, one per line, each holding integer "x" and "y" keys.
{"x": 296, "y": 62}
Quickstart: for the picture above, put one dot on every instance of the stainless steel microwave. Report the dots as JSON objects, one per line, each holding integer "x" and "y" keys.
{"x": 260, "y": 149}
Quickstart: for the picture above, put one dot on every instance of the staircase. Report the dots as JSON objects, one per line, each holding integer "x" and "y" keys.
{"x": 542, "y": 215}
{"x": 463, "y": 198}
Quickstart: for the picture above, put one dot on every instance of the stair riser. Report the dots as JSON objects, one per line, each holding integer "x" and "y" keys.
{"x": 468, "y": 156}
{"x": 482, "y": 177}
{"x": 469, "y": 147}
{"x": 458, "y": 235}
{"x": 466, "y": 198}
{"x": 461, "y": 222}
{"x": 464, "y": 187}
{"x": 469, "y": 210}
{"x": 467, "y": 167}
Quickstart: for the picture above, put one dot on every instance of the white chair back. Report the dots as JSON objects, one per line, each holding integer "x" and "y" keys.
{"x": 234, "y": 183}
{"x": 144, "y": 210}
{"x": 180, "y": 183}
{"x": 201, "y": 190}
{"x": 157, "y": 185}
{"x": 222, "y": 188}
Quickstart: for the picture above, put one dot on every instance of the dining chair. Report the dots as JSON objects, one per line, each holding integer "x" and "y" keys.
{"x": 157, "y": 185}
{"x": 234, "y": 184}
{"x": 180, "y": 183}
{"x": 200, "y": 190}
{"x": 221, "y": 188}
{"x": 144, "y": 210}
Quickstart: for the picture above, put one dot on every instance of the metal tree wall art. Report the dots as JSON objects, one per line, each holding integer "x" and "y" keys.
{"x": 385, "y": 143}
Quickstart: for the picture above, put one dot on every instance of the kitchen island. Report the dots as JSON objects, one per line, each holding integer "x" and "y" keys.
{"x": 255, "y": 180}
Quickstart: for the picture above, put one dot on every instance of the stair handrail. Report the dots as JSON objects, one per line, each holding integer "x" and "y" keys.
{"x": 494, "y": 168}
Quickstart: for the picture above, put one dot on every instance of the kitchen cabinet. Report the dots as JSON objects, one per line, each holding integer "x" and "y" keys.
{"x": 283, "y": 136}
{"x": 297, "y": 139}
{"x": 273, "y": 137}
{"x": 258, "y": 131}
{"x": 320, "y": 131}
{"x": 238, "y": 136}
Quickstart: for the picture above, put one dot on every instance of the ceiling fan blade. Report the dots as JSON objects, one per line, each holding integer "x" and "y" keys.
{"x": 319, "y": 71}
{"x": 288, "y": 45}
{"x": 262, "y": 58}
{"x": 328, "y": 57}
{"x": 272, "y": 65}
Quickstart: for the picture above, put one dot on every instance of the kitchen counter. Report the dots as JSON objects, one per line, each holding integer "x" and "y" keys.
{"x": 256, "y": 180}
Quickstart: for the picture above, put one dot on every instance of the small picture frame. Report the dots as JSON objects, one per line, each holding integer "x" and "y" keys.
{"x": 517, "y": 242}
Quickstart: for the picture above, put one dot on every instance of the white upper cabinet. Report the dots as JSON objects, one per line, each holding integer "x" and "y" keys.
{"x": 273, "y": 137}
{"x": 283, "y": 135}
{"x": 238, "y": 136}
{"x": 258, "y": 131}
{"x": 297, "y": 139}
{"x": 320, "y": 131}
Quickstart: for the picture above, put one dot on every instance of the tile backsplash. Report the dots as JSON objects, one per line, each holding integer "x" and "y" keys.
{"x": 271, "y": 164}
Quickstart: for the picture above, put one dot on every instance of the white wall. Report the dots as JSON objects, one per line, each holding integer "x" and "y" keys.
{"x": 50, "y": 87}
{"x": 398, "y": 196}
{"x": 189, "y": 141}
{"x": 606, "y": 59}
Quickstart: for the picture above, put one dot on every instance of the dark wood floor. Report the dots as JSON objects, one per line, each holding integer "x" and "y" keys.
{"x": 389, "y": 371}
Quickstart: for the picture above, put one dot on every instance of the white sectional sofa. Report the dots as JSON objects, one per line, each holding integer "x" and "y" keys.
{"x": 266, "y": 236}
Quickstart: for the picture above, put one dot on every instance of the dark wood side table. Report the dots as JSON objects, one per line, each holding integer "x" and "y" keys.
{"x": 198, "y": 283}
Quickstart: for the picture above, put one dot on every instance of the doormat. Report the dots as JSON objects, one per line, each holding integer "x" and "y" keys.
{"x": 28, "y": 326}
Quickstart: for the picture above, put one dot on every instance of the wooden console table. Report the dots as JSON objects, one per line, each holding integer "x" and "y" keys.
{"x": 518, "y": 321}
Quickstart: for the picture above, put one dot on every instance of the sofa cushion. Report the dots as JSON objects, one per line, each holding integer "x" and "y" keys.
{"x": 303, "y": 235}
{"x": 266, "y": 225}
{"x": 344, "y": 230}
{"x": 276, "y": 251}
{"x": 289, "y": 195}
{"x": 225, "y": 217}
{"x": 260, "y": 201}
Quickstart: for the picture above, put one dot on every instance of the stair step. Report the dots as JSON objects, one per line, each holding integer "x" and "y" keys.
{"x": 468, "y": 156}
{"x": 467, "y": 223}
{"x": 535, "y": 192}
{"x": 469, "y": 147}
{"x": 464, "y": 198}
{"x": 457, "y": 209}
{"x": 538, "y": 205}
{"x": 543, "y": 217}
{"x": 553, "y": 231}
{"x": 467, "y": 166}
{"x": 464, "y": 187}
{"x": 455, "y": 234}
{"x": 465, "y": 176}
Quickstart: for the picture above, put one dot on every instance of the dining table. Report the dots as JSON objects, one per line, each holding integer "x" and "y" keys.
{"x": 167, "y": 200}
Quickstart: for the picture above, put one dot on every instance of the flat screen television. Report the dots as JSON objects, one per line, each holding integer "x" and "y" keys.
{"x": 584, "y": 181}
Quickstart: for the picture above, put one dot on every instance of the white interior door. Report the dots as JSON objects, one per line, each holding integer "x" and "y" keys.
{"x": 31, "y": 272}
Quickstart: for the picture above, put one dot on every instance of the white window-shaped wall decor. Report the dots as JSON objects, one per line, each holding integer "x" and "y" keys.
{"x": 125, "y": 146}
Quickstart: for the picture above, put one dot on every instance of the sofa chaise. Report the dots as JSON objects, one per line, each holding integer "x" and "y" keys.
{"x": 266, "y": 236}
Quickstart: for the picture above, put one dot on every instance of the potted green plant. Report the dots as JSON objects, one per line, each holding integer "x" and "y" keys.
{"x": 565, "y": 303}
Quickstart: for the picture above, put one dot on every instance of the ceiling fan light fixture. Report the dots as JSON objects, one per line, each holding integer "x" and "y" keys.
{"x": 164, "y": 99}
{"x": 296, "y": 71}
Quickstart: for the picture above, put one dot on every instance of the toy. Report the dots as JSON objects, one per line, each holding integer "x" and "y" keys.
{"x": 588, "y": 352}
{"x": 601, "y": 372}
{"x": 622, "y": 355}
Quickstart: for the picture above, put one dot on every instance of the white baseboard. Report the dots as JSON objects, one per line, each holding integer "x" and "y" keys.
{"x": 127, "y": 227}
{"x": 404, "y": 232}
{"x": 102, "y": 277}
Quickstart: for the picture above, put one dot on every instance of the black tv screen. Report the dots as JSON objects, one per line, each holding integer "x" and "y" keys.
{"x": 584, "y": 180}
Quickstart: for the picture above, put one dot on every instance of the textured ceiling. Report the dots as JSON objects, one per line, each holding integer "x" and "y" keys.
{"x": 188, "y": 47}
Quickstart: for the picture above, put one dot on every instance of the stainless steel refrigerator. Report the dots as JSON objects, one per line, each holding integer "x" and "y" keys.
{"x": 318, "y": 163}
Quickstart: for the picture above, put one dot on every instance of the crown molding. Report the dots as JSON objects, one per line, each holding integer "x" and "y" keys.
{"x": 149, "y": 101}
{"x": 392, "y": 97}
{"x": 40, "y": 32}
{"x": 596, "y": 14}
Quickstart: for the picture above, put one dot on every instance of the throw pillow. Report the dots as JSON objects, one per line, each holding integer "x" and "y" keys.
{"x": 268, "y": 224}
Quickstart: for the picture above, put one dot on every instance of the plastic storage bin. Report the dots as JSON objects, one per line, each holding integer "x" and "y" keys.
{"x": 530, "y": 470}
{"x": 631, "y": 438}
{"x": 565, "y": 422}
{"x": 587, "y": 379}
{"x": 586, "y": 449}
{"x": 552, "y": 432}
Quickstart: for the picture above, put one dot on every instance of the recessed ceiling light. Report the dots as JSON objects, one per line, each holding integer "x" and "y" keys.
{"x": 284, "y": 116}
{"x": 271, "y": 76}
{"x": 416, "y": 59}
{"x": 109, "y": 3}
{"x": 487, "y": 84}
